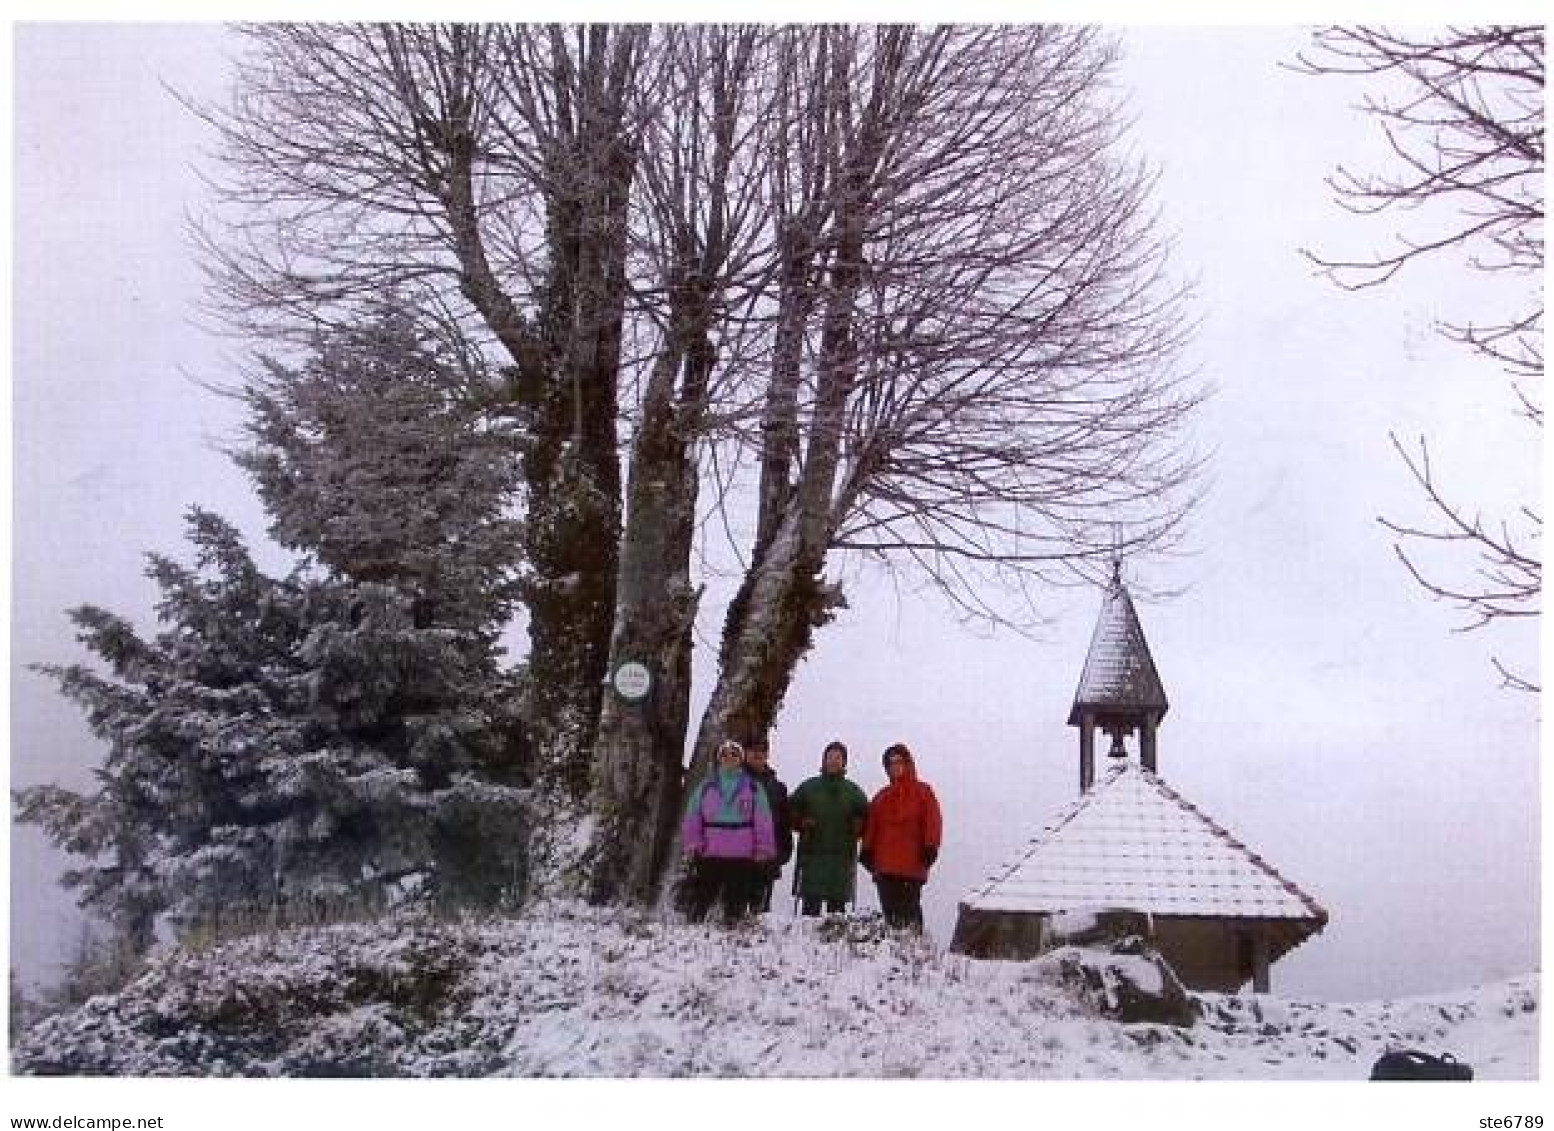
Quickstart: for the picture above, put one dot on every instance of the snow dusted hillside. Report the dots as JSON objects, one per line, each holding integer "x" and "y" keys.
{"x": 569, "y": 991}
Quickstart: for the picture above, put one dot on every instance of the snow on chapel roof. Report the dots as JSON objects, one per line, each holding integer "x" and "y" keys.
{"x": 1133, "y": 842}
{"x": 1119, "y": 671}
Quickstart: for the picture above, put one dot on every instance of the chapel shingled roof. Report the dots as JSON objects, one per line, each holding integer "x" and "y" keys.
{"x": 1119, "y": 674}
{"x": 1133, "y": 842}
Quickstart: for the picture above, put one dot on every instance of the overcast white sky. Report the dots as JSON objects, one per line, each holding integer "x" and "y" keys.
{"x": 1322, "y": 709}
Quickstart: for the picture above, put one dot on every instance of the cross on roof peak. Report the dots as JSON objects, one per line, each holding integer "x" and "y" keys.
{"x": 1116, "y": 555}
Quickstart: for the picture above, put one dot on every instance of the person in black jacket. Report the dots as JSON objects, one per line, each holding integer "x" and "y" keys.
{"x": 758, "y": 755}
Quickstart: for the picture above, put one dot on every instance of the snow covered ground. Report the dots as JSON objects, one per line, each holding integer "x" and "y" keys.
{"x": 568, "y": 991}
{"x": 653, "y": 1023}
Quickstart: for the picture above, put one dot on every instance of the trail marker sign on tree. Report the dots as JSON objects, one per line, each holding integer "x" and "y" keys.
{"x": 632, "y": 681}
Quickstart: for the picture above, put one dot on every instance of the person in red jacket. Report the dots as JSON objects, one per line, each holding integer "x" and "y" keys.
{"x": 901, "y": 839}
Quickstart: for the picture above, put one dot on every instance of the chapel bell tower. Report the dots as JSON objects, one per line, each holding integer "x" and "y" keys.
{"x": 1119, "y": 692}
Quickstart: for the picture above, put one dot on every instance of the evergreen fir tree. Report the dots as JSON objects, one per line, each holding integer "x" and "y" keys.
{"x": 375, "y": 459}
{"x": 339, "y": 738}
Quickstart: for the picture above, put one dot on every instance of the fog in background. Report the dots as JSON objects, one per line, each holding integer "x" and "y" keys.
{"x": 1322, "y": 709}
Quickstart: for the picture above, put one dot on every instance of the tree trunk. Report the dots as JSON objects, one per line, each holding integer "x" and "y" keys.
{"x": 637, "y": 785}
{"x": 572, "y": 475}
{"x": 699, "y": 212}
{"x": 771, "y": 625}
{"x": 780, "y": 415}
{"x": 566, "y": 366}
{"x": 571, "y": 466}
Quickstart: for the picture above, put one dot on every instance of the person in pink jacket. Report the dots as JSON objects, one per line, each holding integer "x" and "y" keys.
{"x": 728, "y": 837}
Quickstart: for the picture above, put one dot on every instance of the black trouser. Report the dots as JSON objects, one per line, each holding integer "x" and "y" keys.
{"x": 901, "y": 900}
{"x": 810, "y": 905}
{"x": 761, "y": 898}
{"x": 713, "y": 876}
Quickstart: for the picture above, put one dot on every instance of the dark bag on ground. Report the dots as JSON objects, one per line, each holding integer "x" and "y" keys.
{"x": 1411, "y": 1064}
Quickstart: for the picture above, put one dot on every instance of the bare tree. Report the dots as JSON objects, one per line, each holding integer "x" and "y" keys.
{"x": 702, "y": 233}
{"x": 1462, "y": 114}
{"x": 1506, "y": 580}
{"x": 903, "y": 276}
{"x": 971, "y": 367}
{"x": 483, "y": 174}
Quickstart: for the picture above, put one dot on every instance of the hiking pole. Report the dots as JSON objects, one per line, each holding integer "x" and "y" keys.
{"x": 798, "y": 867}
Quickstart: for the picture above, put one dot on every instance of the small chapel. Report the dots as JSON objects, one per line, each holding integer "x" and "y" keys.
{"x": 1131, "y": 846}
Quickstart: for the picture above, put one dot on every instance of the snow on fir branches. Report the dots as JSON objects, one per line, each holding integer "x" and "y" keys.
{"x": 337, "y": 739}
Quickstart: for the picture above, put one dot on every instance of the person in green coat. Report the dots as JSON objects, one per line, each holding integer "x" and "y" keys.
{"x": 828, "y": 813}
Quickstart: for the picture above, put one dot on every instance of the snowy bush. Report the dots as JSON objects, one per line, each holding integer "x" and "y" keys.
{"x": 323, "y": 1002}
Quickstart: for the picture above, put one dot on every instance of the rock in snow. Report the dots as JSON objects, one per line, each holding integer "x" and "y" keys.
{"x": 567, "y": 990}
{"x": 1128, "y": 982}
